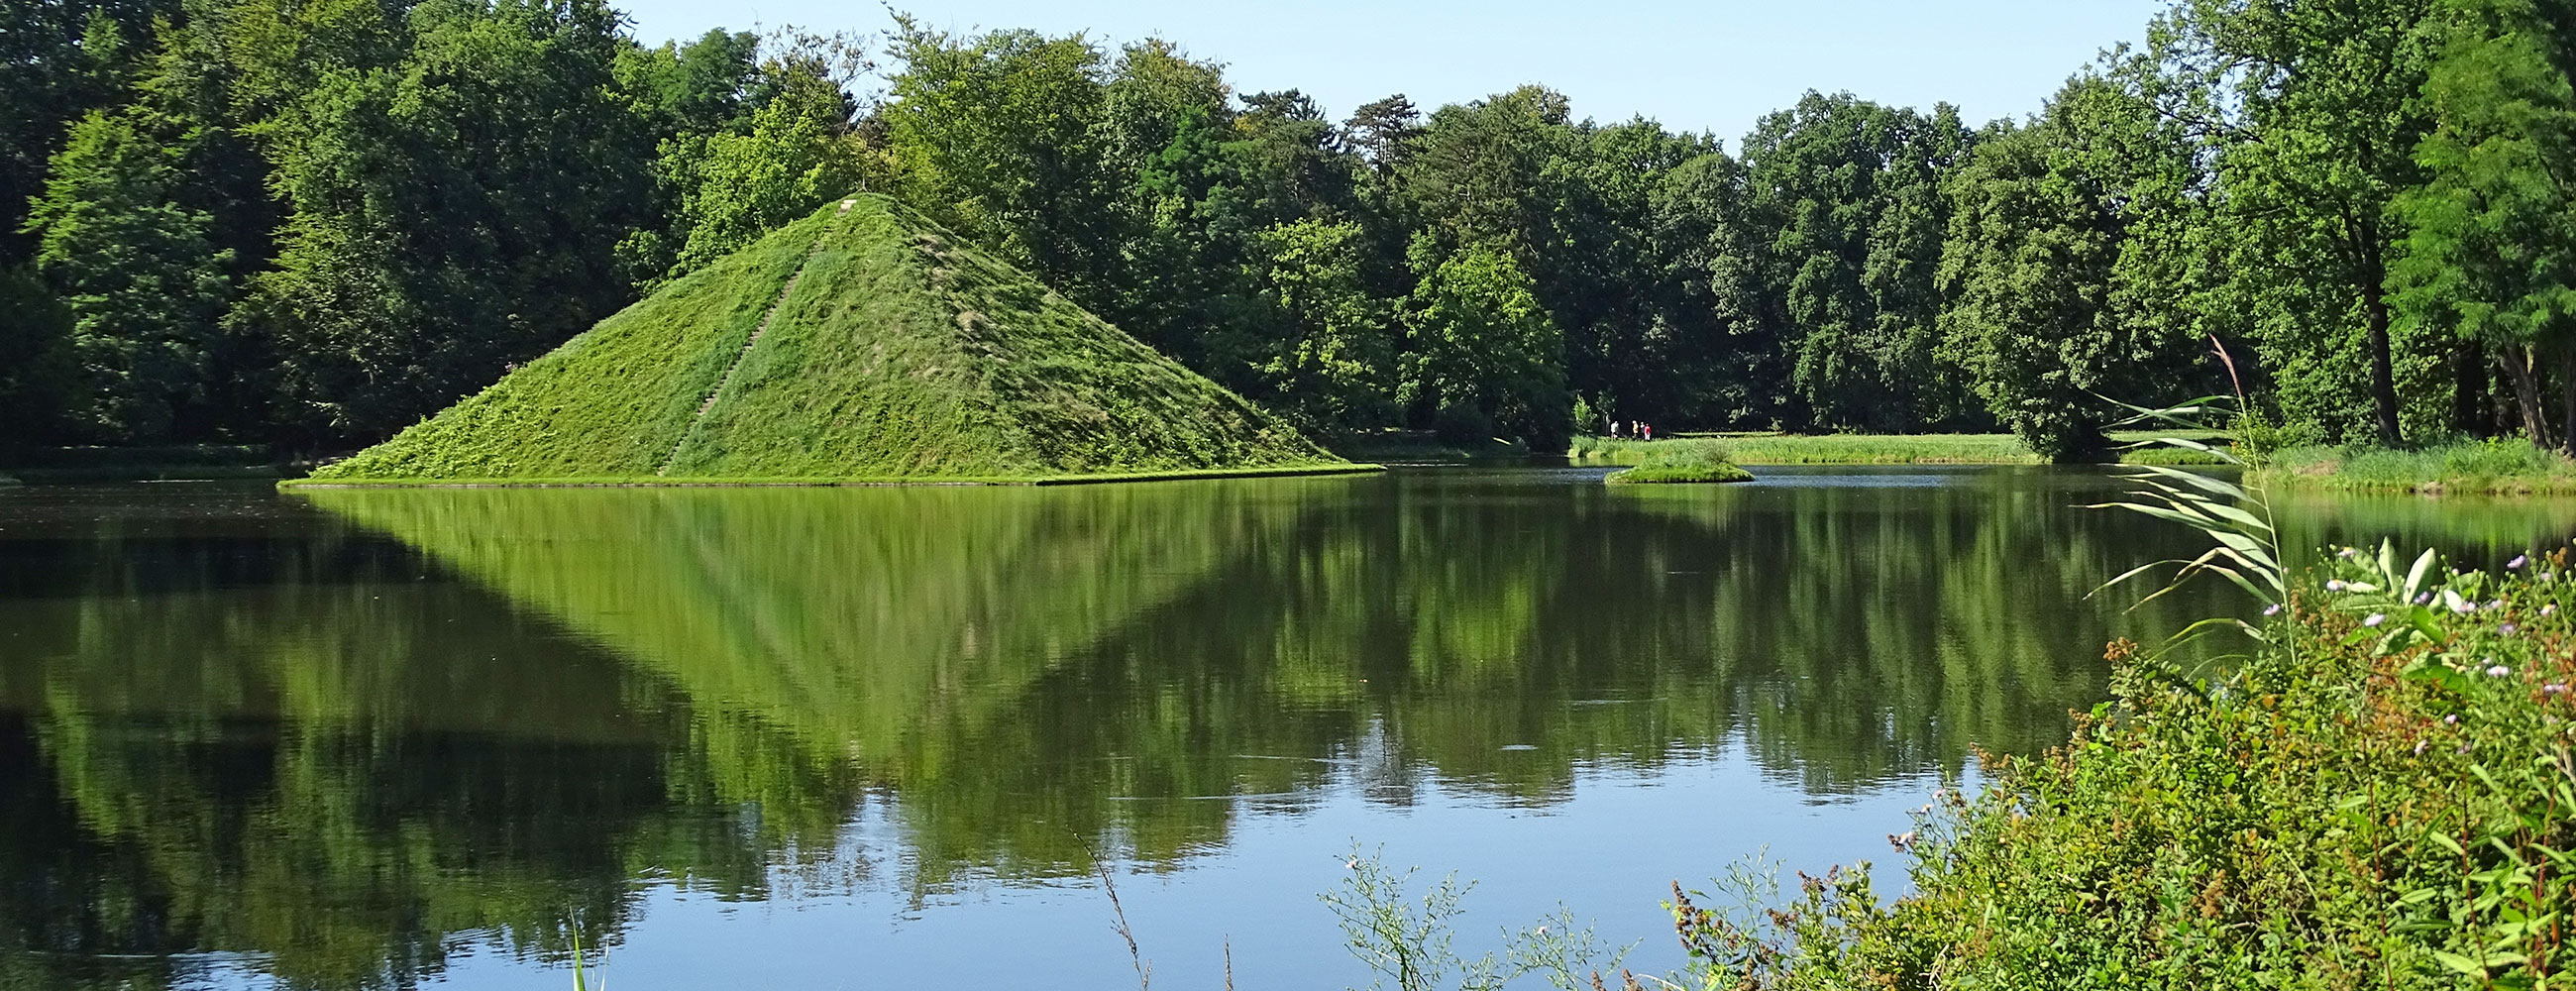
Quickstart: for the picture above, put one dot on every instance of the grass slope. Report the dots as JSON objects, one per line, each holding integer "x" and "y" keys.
{"x": 894, "y": 353}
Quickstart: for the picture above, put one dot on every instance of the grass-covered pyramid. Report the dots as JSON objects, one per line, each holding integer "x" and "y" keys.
{"x": 863, "y": 343}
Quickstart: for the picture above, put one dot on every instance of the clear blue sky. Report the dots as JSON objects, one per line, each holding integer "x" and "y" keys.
{"x": 1709, "y": 65}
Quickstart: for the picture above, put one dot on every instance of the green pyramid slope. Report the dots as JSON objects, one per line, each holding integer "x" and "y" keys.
{"x": 862, "y": 343}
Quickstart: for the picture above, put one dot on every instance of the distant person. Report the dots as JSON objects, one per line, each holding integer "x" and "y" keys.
{"x": 1647, "y": 430}
{"x": 1614, "y": 429}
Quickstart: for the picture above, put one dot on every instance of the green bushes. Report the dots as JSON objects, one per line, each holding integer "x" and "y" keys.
{"x": 2383, "y": 796}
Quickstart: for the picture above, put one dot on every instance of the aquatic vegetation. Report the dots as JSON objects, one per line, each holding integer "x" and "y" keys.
{"x": 581, "y": 979}
{"x": 1410, "y": 938}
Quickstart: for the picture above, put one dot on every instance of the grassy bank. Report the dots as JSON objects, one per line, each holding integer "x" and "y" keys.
{"x": 2491, "y": 467}
{"x": 2384, "y": 797}
{"x": 158, "y": 463}
{"x": 1864, "y": 449}
{"x": 1418, "y": 447}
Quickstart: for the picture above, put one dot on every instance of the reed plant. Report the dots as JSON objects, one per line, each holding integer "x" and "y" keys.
{"x": 1410, "y": 939}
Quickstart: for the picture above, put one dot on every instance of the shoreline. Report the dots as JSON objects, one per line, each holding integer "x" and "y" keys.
{"x": 2500, "y": 467}
{"x": 1304, "y": 471}
{"x": 1869, "y": 449}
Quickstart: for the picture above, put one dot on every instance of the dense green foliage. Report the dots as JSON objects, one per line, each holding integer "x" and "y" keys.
{"x": 860, "y": 342}
{"x": 2380, "y": 798}
{"x": 312, "y": 225}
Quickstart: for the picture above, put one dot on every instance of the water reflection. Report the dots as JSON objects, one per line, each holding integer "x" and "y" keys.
{"x": 351, "y": 742}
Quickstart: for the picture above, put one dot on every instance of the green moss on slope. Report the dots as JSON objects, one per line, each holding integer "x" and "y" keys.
{"x": 893, "y": 352}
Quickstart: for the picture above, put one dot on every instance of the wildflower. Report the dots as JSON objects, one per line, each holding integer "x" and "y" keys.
{"x": 2335, "y": 585}
{"x": 2464, "y": 606}
{"x": 2451, "y": 720}
{"x": 2419, "y": 747}
{"x": 2493, "y": 604}
{"x": 2498, "y": 671}
{"x": 2517, "y": 562}
{"x": 2423, "y": 597}
{"x": 2375, "y": 619}
{"x": 2553, "y": 689}
{"x": 2549, "y": 610}
{"x": 2345, "y": 553}
{"x": 2272, "y": 610}
{"x": 2506, "y": 629}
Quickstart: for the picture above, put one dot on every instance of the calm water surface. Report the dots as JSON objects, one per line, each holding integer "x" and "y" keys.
{"x": 861, "y": 738}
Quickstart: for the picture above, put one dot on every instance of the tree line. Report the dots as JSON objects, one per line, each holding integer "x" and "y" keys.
{"x": 311, "y": 224}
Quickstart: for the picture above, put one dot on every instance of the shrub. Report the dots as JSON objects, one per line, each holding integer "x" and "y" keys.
{"x": 2384, "y": 796}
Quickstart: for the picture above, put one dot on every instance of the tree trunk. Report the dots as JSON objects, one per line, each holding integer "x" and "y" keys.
{"x": 2469, "y": 390}
{"x": 2526, "y": 393}
{"x": 2567, "y": 401}
{"x": 2383, "y": 380}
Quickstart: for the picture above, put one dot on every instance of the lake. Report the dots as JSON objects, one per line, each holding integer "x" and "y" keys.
{"x": 842, "y": 738}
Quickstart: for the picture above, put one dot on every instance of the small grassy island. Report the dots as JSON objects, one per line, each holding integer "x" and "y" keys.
{"x": 1682, "y": 464}
{"x": 862, "y": 344}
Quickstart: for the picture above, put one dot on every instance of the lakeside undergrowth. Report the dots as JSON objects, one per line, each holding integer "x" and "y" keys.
{"x": 2382, "y": 795}
{"x": 2502, "y": 466}
{"x": 1830, "y": 449}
